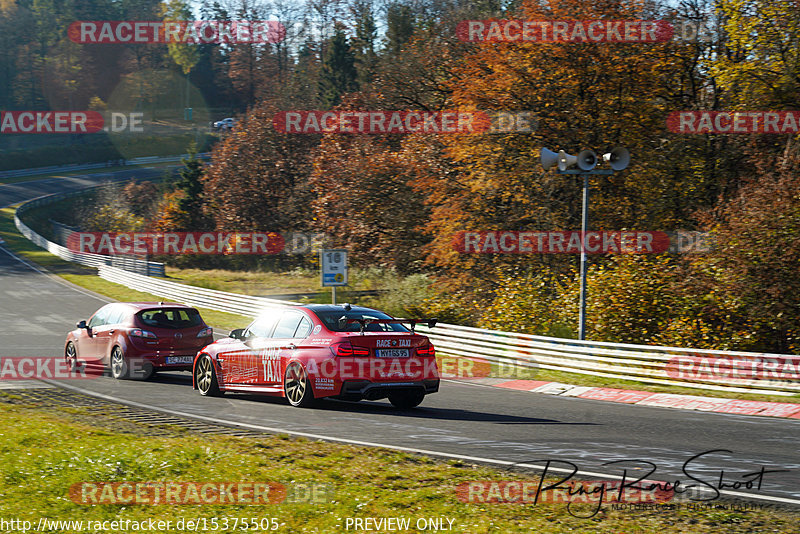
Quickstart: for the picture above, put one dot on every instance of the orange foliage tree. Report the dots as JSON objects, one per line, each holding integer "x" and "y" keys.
{"x": 258, "y": 179}
{"x": 584, "y": 95}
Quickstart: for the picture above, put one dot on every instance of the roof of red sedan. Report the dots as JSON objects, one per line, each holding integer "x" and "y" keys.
{"x": 146, "y": 305}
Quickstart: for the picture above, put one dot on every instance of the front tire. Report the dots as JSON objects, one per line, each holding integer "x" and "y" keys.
{"x": 71, "y": 357}
{"x": 119, "y": 364}
{"x": 406, "y": 399}
{"x": 205, "y": 376}
{"x": 297, "y": 386}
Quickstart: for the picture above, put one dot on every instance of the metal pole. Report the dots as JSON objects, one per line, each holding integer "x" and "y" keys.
{"x": 333, "y": 295}
{"x": 584, "y": 228}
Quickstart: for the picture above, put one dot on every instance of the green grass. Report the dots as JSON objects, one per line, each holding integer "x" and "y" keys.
{"x": 44, "y": 453}
{"x": 248, "y": 283}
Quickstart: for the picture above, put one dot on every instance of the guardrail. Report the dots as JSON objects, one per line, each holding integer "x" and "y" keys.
{"x": 69, "y": 167}
{"x": 196, "y": 296}
{"x": 522, "y": 353}
{"x": 643, "y": 363}
{"x": 147, "y": 268}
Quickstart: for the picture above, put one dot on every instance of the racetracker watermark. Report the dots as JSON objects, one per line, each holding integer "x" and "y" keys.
{"x": 508, "y": 242}
{"x": 470, "y": 367}
{"x": 69, "y": 122}
{"x": 734, "y": 122}
{"x": 214, "y": 493}
{"x": 734, "y": 369}
{"x": 185, "y": 31}
{"x": 404, "y": 122}
{"x": 181, "y": 243}
{"x": 618, "y": 242}
{"x": 171, "y": 493}
{"x": 582, "y": 31}
{"x": 585, "y": 492}
{"x": 29, "y": 368}
{"x": 345, "y": 368}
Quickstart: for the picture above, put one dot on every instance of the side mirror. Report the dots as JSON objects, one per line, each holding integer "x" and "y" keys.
{"x": 237, "y": 334}
{"x": 81, "y": 325}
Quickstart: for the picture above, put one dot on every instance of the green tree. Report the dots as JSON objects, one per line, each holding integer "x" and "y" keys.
{"x": 184, "y": 54}
{"x": 339, "y": 75}
{"x": 366, "y": 31}
{"x": 761, "y": 63}
{"x": 399, "y": 27}
{"x": 191, "y": 183}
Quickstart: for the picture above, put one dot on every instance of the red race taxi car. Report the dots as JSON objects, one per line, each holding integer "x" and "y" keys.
{"x": 314, "y": 351}
{"x": 136, "y": 339}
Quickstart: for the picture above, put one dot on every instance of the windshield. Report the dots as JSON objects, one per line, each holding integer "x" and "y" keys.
{"x": 331, "y": 320}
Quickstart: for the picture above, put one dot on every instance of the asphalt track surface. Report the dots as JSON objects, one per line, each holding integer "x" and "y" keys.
{"x": 479, "y": 423}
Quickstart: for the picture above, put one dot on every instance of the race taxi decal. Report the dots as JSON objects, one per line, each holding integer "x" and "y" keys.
{"x": 385, "y": 343}
{"x": 271, "y": 362}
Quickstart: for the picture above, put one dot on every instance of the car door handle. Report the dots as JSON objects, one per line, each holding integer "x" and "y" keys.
{"x": 291, "y": 346}
{"x": 111, "y": 331}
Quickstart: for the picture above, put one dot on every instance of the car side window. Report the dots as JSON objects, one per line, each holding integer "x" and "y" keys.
{"x": 288, "y": 324}
{"x": 303, "y": 329}
{"x": 116, "y": 315}
{"x": 262, "y": 326}
{"x": 99, "y": 318}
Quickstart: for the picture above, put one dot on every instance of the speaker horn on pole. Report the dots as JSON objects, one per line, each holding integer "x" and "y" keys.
{"x": 618, "y": 158}
{"x": 587, "y": 160}
{"x": 565, "y": 160}
{"x": 548, "y": 157}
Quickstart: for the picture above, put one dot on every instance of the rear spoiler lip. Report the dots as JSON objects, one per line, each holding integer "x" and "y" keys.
{"x": 430, "y": 323}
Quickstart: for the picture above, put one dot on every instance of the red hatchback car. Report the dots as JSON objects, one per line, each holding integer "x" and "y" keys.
{"x": 136, "y": 339}
{"x": 314, "y": 351}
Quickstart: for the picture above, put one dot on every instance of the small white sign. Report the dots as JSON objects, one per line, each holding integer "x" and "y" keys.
{"x": 334, "y": 267}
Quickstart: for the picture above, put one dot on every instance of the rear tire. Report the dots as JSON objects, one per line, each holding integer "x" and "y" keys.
{"x": 297, "y": 386}
{"x": 205, "y": 376}
{"x": 119, "y": 364}
{"x": 406, "y": 399}
{"x": 147, "y": 371}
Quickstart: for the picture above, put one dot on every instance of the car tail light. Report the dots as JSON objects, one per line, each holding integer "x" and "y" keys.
{"x": 426, "y": 350}
{"x": 138, "y": 332}
{"x": 206, "y": 332}
{"x": 346, "y": 349}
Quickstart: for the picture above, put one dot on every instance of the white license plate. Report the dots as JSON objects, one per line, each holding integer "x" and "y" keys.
{"x": 180, "y": 359}
{"x": 391, "y": 353}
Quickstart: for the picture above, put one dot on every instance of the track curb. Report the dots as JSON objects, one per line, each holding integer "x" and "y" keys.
{"x": 786, "y": 410}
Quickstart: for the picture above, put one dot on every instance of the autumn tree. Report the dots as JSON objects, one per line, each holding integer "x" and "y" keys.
{"x": 257, "y": 181}
{"x": 364, "y": 200}
{"x": 583, "y": 95}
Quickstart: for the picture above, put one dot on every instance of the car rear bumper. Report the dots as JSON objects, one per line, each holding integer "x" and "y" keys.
{"x": 176, "y": 360}
{"x": 366, "y": 390}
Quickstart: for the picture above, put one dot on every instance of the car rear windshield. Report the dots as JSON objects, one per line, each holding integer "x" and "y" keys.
{"x": 170, "y": 317}
{"x": 331, "y": 320}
